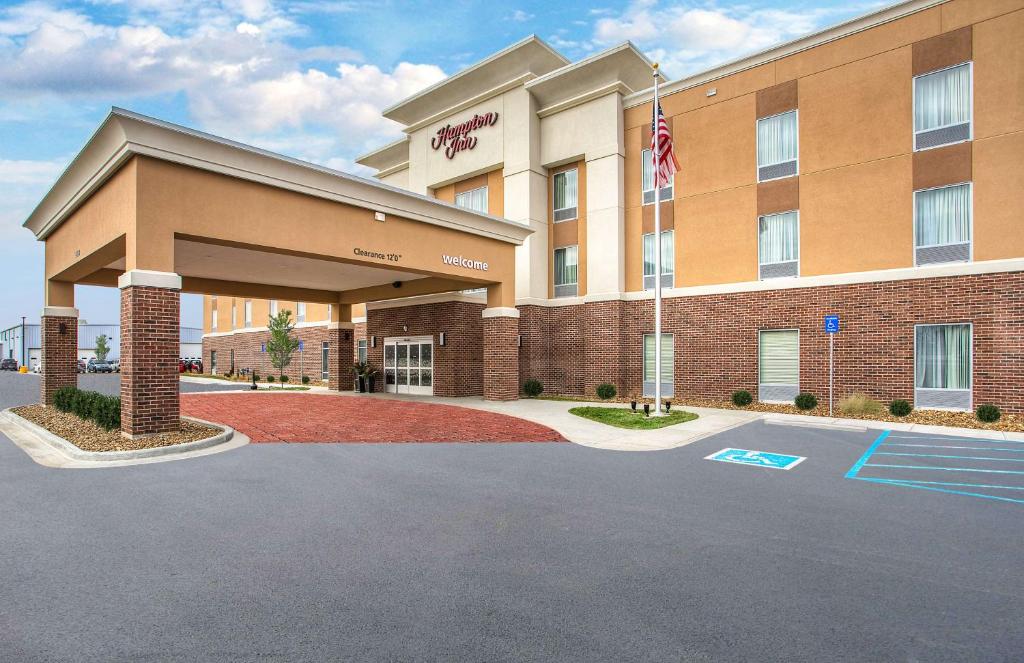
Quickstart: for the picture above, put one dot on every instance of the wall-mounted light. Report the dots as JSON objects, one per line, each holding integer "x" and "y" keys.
{"x": 405, "y": 328}
{"x": 378, "y": 216}
{"x": 712, "y": 91}
{"x": 441, "y": 339}
{"x": 519, "y": 340}
{"x": 373, "y": 341}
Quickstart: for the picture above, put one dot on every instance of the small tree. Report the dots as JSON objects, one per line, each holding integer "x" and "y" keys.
{"x": 281, "y": 344}
{"x": 102, "y": 349}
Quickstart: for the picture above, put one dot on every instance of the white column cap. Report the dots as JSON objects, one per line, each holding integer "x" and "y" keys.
{"x": 501, "y": 312}
{"x": 60, "y": 312}
{"x": 149, "y": 279}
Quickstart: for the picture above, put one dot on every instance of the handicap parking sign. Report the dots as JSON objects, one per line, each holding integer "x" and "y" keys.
{"x": 757, "y": 458}
{"x": 831, "y": 324}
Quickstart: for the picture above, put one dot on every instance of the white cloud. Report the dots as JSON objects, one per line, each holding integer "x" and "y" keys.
{"x": 22, "y": 184}
{"x": 520, "y": 16}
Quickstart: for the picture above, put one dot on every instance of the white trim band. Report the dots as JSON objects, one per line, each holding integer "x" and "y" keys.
{"x": 60, "y": 312}
{"x": 341, "y": 325}
{"x": 501, "y": 312}
{"x": 149, "y": 279}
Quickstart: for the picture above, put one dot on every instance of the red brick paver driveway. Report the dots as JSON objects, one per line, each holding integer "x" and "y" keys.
{"x": 316, "y": 418}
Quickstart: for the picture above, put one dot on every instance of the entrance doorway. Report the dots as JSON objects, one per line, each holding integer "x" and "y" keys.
{"x": 409, "y": 365}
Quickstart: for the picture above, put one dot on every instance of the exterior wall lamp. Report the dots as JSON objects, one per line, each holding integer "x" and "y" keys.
{"x": 441, "y": 339}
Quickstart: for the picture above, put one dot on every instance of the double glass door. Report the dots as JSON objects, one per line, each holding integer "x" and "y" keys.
{"x": 409, "y": 366}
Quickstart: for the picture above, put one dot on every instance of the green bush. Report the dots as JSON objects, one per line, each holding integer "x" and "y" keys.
{"x": 305, "y": 379}
{"x": 742, "y": 398}
{"x": 62, "y": 398}
{"x": 988, "y": 413}
{"x": 533, "y": 388}
{"x": 806, "y": 401}
{"x": 899, "y": 408}
{"x": 256, "y": 377}
{"x": 606, "y": 391}
{"x": 284, "y": 378}
{"x": 270, "y": 378}
{"x": 107, "y": 412}
{"x": 103, "y": 410}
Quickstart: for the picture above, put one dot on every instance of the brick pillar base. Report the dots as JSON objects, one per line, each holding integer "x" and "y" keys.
{"x": 150, "y": 342}
{"x": 340, "y": 357}
{"x": 59, "y": 355}
{"x": 501, "y": 356}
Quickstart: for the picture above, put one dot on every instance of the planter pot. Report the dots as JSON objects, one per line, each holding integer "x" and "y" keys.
{"x": 632, "y": 405}
{"x": 370, "y": 380}
{"x": 361, "y": 384}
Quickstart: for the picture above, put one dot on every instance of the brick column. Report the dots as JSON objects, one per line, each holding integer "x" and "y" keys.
{"x": 340, "y": 356}
{"x": 501, "y": 354}
{"x": 150, "y": 341}
{"x": 59, "y": 356}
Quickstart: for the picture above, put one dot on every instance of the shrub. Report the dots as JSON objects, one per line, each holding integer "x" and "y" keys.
{"x": 533, "y": 388}
{"x": 860, "y": 404}
{"x": 284, "y": 378}
{"x": 742, "y": 398}
{"x": 806, "y": 401}
{"x": 256, "y": 377}
{"x": 62, "y": 398}
{"x": 107, "y": 412}
{"x": 305, "y": 379}
{"x": 270, "y": 378}
{"x": 606, "y": 391}
{"x": 988, "y": 413}
{"x": 899, "y": 408}
{"x": 104, "y": 411}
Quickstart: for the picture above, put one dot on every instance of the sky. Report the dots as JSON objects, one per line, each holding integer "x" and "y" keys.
{"x": 307, "y": 79}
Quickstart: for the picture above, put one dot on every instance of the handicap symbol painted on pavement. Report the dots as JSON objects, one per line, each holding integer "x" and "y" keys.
{"x": 757, "y": 458}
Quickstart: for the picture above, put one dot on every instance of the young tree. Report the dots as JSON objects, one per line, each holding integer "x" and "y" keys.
{"x": 102, "y": 349}
{"x": 281, "y": 344}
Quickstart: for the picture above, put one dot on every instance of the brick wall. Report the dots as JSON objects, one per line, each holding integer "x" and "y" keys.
{"x": 501, "y": 358}
{"x": 59, "y": 355}
{"x": 150, "y": 337}
{"x": 248, "y": 356}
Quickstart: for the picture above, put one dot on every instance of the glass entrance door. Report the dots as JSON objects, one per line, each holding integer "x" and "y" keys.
{"x": 409, "y": 366}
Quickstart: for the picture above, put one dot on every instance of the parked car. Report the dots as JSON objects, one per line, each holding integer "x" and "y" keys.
{"x": 8, "y": 364}
{"x": 196, "y": 365}
{"x": 115, "y": 365}
{"x": 82, "y": 366}
{"x": 183, "y": 366}
{"x": 96, "y": 366}
{"x": 38, "y": 368}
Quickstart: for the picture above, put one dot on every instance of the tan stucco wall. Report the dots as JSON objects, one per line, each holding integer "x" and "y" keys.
{"x": 716, "y": 238}
{"x": 999, "y": 197}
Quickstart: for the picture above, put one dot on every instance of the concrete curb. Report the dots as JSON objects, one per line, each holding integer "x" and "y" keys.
{"x": 65, "y": 448}
{"x": 778, "y": 421}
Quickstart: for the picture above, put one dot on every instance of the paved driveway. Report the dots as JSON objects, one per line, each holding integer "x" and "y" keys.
{"x": 503, "y": 552}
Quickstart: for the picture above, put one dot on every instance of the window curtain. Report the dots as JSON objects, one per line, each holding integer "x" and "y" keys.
{"x": 942, "y": 99}
{"x": 943, "y": 216}
{"x": 779, "y": 357}
{"x": 944, "y": 357}
{"x": 776, "y": 139}
{"x": 565, "y": 265}
{"x": 668, "y": 253}
{"x": 566, "y": 195}
{"x": 475, "y": 199}
{"x": 778, "y": 238}
{"x": 666, "y": 358}
{"x": 648, "y": 170}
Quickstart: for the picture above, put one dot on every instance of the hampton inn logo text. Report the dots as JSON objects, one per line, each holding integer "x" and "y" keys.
{"x": 455, "y": 139}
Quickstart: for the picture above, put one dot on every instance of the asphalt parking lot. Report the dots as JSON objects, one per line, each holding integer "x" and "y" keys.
{"x": 502, "y": 552}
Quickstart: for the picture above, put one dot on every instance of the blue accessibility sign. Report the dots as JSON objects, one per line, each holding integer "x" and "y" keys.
{"x": 831, "y": 324}
{"x": 757, "y": 458}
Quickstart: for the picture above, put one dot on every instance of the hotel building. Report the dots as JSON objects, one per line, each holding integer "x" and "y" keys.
{"x": 873, "y": 170}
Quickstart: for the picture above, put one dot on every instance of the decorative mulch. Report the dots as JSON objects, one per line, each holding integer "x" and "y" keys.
{"x": 90, "y": 437}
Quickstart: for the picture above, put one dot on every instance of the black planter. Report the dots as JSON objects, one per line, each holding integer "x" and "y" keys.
{"x": 632, "y": 405}
{"x": 370, "y": 381}
{"x": 647, "y": 409}
{"x": 360, "y": 384}
{"x": 668, "y": 406}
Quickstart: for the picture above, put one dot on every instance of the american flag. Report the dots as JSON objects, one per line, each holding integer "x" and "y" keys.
{"x": 665, "y": 163}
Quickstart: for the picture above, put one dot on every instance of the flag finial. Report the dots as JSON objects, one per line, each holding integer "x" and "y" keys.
{"x": 655, "y": 66}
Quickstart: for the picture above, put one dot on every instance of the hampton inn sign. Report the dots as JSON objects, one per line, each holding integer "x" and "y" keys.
{"x": 456, "y": 138}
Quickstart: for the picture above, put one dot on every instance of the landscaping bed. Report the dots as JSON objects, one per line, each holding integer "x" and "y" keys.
{"x": 89, "y": 437}
{"x": 626, "y": 418}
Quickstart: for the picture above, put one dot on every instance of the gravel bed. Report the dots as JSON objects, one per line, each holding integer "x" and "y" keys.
{"x": 90, "y": 437}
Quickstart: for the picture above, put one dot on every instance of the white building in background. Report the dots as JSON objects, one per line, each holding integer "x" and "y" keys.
{"x": 24, "y": 342}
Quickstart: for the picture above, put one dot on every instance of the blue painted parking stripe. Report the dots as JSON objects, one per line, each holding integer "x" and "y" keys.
{"x": 852, "y": 474}
{"x": 896, "y": 453}
{"x": 948, "y": 483}
{"x": 956, "y": 439}
{"x": 893, "y": 482}
{"x": 950, "y": 446}
{"x": 932, "y": 467}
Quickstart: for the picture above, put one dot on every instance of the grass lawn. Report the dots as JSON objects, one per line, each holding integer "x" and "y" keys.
{"x": 621, "y": 417}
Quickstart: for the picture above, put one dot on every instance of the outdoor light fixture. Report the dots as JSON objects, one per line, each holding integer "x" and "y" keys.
{"x": 668, "y": 406}
{"x": 405, "y": 328}
{"x": 519, "y": 340}
{"x": 62, "y": 328}
{"x": 373, "y": 341}
{"x": 647, "y": 409}
{"x": 441, "y": 339}
{"x": 378, "y": 216}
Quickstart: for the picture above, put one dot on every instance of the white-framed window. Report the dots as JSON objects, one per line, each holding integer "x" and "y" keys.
{"x": 273, "y": 307}
{"x": 668, "y": 259}
{"x": 474, "y": 199}
{"x": 247, "y": 308}
{"x": 648, "y": 180}
{"x": 778, "y": 356}
{"x": 361, "y": 350}
{"x": 325, "y": 356}
{"x": 778, "y": 245}
{"x": 566, "y": 269}
{"x": 330, "y": 312}
{"x": 565, "y": 195}
{"x": 300, "y": 311}
{"x": 213, "y": 313}
{"x": 942, "y": 224}
{"x": 777, "y": 146}
{"x": 234, "y": 313}
{"x": 943, "y": 103}
{"x": 667, "y": 365}
{"x": 943, "y": 365}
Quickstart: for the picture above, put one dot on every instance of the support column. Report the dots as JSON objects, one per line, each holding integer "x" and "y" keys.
{"x": 59, "y": 354}
{"x": 340, "y": 348}
{"x": 150, "y": 342}
{"x": 501, "y": 353}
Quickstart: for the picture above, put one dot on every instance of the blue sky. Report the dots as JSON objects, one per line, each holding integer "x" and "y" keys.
{"x": 306, "y": 78}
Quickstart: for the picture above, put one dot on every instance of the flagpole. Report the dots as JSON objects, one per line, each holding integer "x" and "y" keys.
{"x": 657, "y": 251}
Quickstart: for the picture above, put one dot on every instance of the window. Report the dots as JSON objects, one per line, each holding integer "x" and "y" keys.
{"x": 565, "y": 195}
{"x": 300, "y": 313}
{"x": 668, "y": 259}
{"x": 778, "y": 245}
{"x": 474, "y": 199}
{"x": 361, "y": 350}
{"x": 778, "y": 365}
{"x": 213, "y": 313}
{"x": 565, "y": 271}
{"x": 942, "y": 366}
{"x": 213, "y": 362}
{"x": 667, "y": 369}
{"x": 777, "y": 146}
{"x": 325, "y": 355}
{"x": 273, "y": 307}
{"x": 234, "y": 314}
{"x": 330, "y": 312}
{"x": 942, "y": 224}
{"x": 648, "y": 180}
{"x": 248, "y": 313}
{"x": 942, "y": 107}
